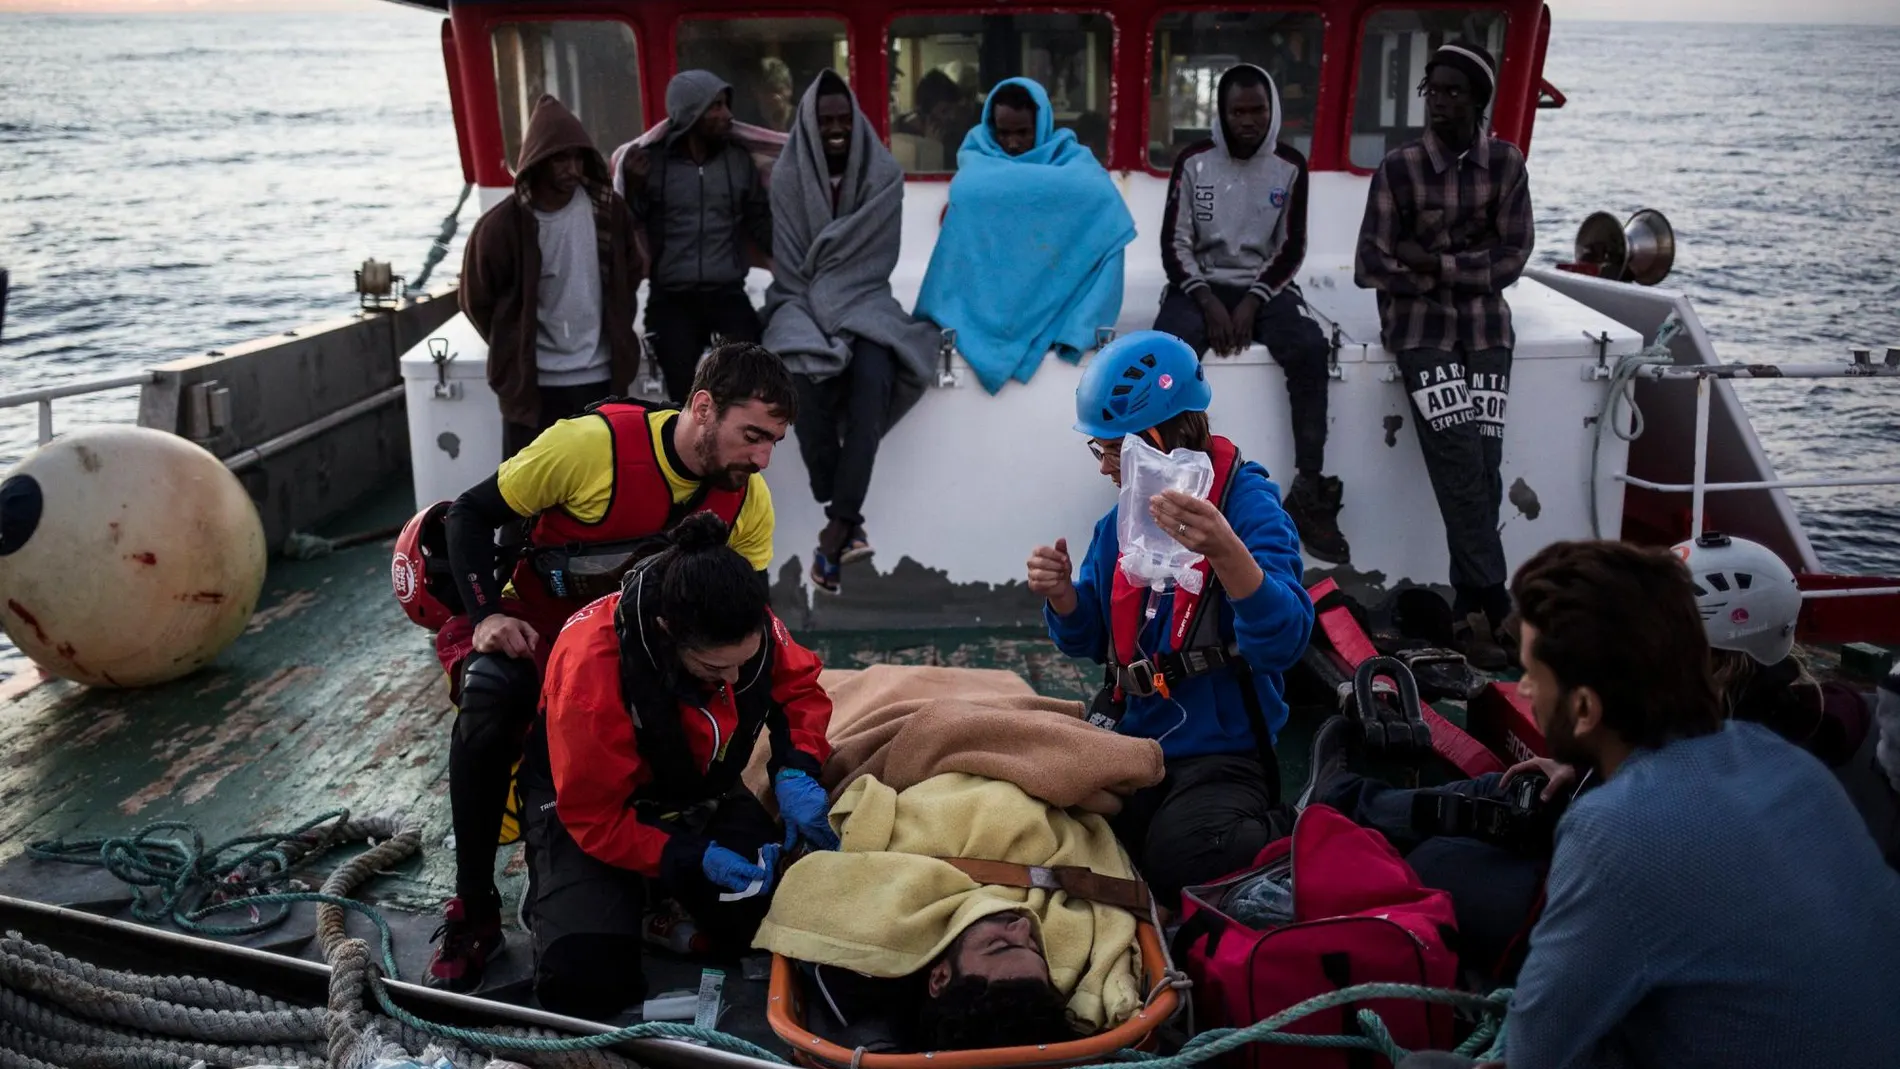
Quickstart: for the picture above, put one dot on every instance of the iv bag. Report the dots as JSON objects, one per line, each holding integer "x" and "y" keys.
{"x": 1150, "y": 556}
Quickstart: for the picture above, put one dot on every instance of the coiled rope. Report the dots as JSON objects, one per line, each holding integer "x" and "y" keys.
{"x": 59, "y": 1011}
{"x": 1622, "y": 397}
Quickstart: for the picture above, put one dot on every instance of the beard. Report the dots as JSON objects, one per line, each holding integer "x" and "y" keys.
{"x": 1563, "y": 742}
{"x": 732, "y": 477}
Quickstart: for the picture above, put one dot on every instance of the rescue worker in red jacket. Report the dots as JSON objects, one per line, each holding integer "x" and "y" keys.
{"x": 655, "y": 699}
{"x": 599, "y": 488}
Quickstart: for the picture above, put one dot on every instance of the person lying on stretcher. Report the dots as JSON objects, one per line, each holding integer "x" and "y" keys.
{"x": 975, "y": 901}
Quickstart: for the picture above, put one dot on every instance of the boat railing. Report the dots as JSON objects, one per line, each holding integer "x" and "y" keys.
{"x": 1862, "y": 366}
{"x": 46, "y": 395}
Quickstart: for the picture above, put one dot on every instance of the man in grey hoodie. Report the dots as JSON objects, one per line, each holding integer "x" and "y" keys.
{"x": 700, "y": 200}
{"x": 1232, "y": 238}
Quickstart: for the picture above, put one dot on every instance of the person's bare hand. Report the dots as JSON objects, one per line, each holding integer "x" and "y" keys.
{"x": 1194, "y": 522}
{"x": 505, "y": 635}
{"x": 1220, "y": 325}
{"x": 1559, "y": 774}
{"x": 1241, "y": 322}
{"x": 1051, "y": 576}
{"x": 1415, "y": 258}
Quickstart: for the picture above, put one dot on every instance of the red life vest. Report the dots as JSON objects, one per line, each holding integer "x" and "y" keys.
{"x": 1128, "y": 603}
{"x": 640, "y": 508}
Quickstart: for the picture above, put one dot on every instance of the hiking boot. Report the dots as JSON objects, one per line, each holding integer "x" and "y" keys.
{"x": 1314, "y": 505}
{"x": 1476, "y": 639}
{"x": 1331, "y": 759}
{"x": 469, "y": 941}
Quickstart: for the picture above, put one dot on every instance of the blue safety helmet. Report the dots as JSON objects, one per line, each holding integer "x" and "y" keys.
{"x": 1139, "y": 381}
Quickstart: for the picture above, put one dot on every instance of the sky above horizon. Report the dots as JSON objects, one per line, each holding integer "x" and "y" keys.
{"x": 1788, "y": 11}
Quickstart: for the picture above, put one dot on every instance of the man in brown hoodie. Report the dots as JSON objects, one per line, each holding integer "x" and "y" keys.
{"x": 549, "y": 278}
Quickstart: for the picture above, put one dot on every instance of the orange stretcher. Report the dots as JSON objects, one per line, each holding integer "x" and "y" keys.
{"x": 785, "y": 1011}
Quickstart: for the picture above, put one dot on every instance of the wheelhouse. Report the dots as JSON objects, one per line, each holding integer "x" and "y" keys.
{"x": 1135, "y": 80}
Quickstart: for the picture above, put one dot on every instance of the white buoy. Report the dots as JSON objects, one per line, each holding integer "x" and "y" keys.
{"x": 127, "y": 556}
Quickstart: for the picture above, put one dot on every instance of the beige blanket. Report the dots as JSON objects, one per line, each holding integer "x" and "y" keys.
{"x": 905, "y": 724}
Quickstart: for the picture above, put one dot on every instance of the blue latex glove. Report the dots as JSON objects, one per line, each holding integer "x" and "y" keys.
{"x": 802, "y": 802}
{"x": 730, "y": 872}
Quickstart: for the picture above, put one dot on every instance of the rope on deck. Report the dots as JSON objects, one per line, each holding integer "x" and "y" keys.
{"x": 59, "y": 1011}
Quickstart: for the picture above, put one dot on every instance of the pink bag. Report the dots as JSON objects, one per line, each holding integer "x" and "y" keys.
{"x": 1359, "y": 916}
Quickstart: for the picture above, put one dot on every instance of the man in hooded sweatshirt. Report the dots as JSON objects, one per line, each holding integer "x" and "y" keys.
{"x": 1232, "y": 238}
{"x": 700, "y": 199}
{"x": 549, "y": 279}
{"x": 858, "y": 359}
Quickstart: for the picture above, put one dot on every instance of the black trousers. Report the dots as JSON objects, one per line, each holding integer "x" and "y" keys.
{"x": 1296, "y": 344}
{"x": 1209, "y": 817}
{"x": 684, "y": 323}
{"x": 840, "y": 422}
{"x": 1458, "y": 402}
{"x": 557, "y": 403}
{"x": 587, "y": 915}
{"x": 1494, "y": 890}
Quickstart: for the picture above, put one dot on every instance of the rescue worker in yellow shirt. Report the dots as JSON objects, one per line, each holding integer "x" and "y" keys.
{"x": 600, "y": 488}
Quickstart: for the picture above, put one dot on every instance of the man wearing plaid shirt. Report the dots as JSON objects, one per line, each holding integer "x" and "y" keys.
{"x": 1447, "y": 228}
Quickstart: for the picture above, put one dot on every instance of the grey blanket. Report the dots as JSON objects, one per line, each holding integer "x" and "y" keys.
{"x": 831, "y": 272}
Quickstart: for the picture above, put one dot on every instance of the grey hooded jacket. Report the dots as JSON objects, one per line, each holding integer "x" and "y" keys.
{"x": 1236, "y": 222}
{"x": 698, "y": 216}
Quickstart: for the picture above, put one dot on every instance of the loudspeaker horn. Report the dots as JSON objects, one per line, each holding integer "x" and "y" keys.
{"x": 1602, "y": 244}
{"x": 1650, "y": 244}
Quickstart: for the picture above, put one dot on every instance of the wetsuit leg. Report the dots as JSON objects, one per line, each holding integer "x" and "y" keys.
{"x": 1211, "y": 817}
{"x": 1301, "y": 350}
{"x": 1181, "y": 316}
{"x": 742, "y": 826}
{"x": 1448, "y": 435}
{"x": 498, "y": 705}
{"x": 871, "y": 379}
{"x": 585, "y": 916}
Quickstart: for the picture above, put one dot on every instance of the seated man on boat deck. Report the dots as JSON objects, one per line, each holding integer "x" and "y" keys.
{"x": 630, "y": 780}
{"x": 1447, "y": 229}
{"x": 701, "y": 201}
{"x": 1233, "y": 236}
{"x": 859, "y": 360}
{"x": 1716, "y": 901}
{"x": 1030, "y": 254}
{"x": 549, "y": 280}
{"x": 1216, "y": 713}
{"x": 923, "y": 931}
{"x": 599, "y": 488}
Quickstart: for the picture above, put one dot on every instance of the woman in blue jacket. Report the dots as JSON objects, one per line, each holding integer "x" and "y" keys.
{"x": 1201, "y": 674}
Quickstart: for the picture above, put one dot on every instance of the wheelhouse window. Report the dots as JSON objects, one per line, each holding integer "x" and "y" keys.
{"x": 592, "y": 67}
{"x": 768, "y": 62}
{"x": 1390, "y": 111}
{"x": 943, "y": 67}
{"x": 1193, "y": 48}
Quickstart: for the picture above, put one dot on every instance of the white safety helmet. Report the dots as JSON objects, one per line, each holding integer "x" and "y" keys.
{"x": 1747, "y": 596}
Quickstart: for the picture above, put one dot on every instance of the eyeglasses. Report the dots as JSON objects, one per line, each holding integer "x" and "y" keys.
{"x": 1102, "y": 452}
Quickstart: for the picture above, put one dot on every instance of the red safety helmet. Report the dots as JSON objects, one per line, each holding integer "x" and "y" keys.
{"x": 419, "y": 573}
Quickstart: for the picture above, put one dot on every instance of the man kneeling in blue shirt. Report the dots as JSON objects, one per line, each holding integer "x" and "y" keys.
{"x": 1717, "y": 901}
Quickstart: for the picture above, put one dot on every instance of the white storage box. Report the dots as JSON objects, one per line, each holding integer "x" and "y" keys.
{"x": 454, "y": 419}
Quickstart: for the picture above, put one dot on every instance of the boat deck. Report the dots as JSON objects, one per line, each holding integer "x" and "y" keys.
{"x": 333, "y": 699}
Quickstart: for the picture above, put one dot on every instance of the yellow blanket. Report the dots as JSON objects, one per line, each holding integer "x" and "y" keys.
{"x": 884, "y": 906}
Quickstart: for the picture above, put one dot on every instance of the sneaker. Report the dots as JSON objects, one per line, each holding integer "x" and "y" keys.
{"x": 1331, "y": 759}
{"x": 857, "y": 549}
{"x": 1475, "y": 639}
{"x": 1314, "y": 506}
{"x": 826, "y": 574}
{"x": 468, "y": 942}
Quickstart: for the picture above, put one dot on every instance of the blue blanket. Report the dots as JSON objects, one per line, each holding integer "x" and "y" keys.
{"x": 1030, "y": 257}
